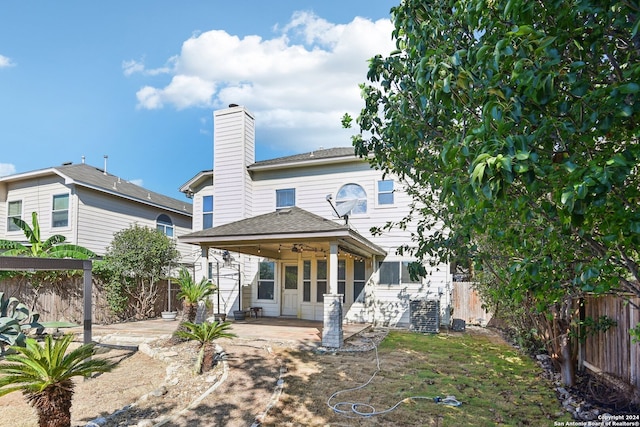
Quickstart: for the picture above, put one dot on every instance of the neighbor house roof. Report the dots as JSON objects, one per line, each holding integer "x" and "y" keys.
{"x": 284, "y": 225}
{"x": 87, "y": 176}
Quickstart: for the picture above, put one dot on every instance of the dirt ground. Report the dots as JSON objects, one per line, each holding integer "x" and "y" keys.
{"x": 160, "y": 389}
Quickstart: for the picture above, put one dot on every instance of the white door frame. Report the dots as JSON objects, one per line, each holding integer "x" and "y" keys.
{"x": 290, "y": 297}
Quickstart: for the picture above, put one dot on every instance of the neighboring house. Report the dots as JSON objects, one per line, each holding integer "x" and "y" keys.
{"x": 271, "y": 229}
{"x": 87, "y": 206}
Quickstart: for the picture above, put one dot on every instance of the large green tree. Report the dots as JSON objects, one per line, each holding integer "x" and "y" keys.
{"x": 515, "y": 125}
{"x": 137, "y": 258}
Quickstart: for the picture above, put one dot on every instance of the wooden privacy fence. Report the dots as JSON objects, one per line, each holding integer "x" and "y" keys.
{"x": 467, "y": 305}
{"x": 613, "y": 352}
{"x": 64, "y": 302}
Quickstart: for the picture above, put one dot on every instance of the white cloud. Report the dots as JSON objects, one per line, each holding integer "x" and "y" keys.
{"x": 138, "y": 182}
{"x": 7, "y": 169}
{"x": 6, "y": 62}
{"x": 298, "y": 83}
{"x": 133, "y": 66}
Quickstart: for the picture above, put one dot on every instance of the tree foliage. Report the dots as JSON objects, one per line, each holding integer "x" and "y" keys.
{"x": 137, "y": 258}
{"x": 514, "y": 124}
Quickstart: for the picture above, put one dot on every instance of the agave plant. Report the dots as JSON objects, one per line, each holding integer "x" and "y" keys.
{"x": 15, "y": 318}
{"x": 205, "y": 333}
{"x": 192, "y": 292}
{"x": 44, "y": 375}
{"x": 52, "y": 247}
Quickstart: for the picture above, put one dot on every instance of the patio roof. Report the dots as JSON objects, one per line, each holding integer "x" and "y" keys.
{"x": 266, "y": 235}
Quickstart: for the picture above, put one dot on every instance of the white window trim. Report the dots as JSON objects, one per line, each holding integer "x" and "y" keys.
{"x": 395, "y": 285}
{"x": 394, "y": 192}
{"x": 18, "y": 231}
{"x": 68, "y": 226}
{"x": 285, "y": 189}
{"x": 358, "y": 215}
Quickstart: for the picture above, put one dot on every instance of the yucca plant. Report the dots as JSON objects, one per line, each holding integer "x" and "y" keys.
{"x": 205, "y": 333}
{"x": 44, "y": 375}
{"x": 192, "y": 292}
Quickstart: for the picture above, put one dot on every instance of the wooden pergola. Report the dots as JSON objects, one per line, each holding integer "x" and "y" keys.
{"x": 11, "y": 263}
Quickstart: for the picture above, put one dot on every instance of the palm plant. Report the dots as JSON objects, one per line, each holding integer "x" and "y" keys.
{"x": 205, "y": 333}
{"x": 191, "y": 293}
{"x": 44, "y": 375}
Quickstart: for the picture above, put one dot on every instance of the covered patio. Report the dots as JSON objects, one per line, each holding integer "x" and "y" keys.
{"x": 300, "y": 264}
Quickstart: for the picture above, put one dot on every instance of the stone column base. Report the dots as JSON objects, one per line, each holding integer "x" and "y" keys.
{"x": 332, "y": 335}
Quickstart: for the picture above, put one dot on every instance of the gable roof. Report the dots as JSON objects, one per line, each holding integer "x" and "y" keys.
{"x": 190, "y": 187}
{"x": 87, "y": 176}
{"x": 322, "y": 156}
{"x": 284, "y": 225}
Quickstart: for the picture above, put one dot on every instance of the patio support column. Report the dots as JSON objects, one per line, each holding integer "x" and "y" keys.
{"x": 204, "y": 262}
{"x": 332, "y": 334}
{"x": 333, "y": 268}
{"x": 87, "y": 300}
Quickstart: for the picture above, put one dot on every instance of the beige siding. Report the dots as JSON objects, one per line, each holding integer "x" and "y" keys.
{"x": 312, "y": 186}
{"x": 100, "y": 216}
{"x": 37, "y": 196}
{"x": 234, "y": 148}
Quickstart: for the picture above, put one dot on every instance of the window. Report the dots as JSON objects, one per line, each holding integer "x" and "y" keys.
{"x": 207, "y": 212}
{"x": 285, "y": 198}
{"x": 385, "y": 192}
{"x": 358, "y": 279}
{"x": 395, "y": 273}
{"x": 60, "y": 213}
{"x": 322, "y": 280}
{"x": 353, "y": 192}
{"x": 164, "y": 225}
{"x": 342, "y": 278}
{"x": 14, "y": 210}
{"x": 266, "y": 280}
{"x": 306, "y": 281}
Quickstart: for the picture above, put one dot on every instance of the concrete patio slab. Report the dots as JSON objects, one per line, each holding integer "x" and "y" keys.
{"x": 278, "y": 329}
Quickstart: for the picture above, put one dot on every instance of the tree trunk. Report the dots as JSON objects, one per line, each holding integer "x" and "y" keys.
{"x": 566, "y": 359}
{"x": 208, "y": 356}
{"x": 189, "y": 311}
{"x": 53, "y": 405}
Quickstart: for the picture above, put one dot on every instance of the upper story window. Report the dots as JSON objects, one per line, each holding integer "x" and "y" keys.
{"x": 207, "y": 212}
{"x": 385, "y": 192}
{"x": 164, "y": 225}
{"x": 353, "y": 192}
{"x": 395, "y": 273}
{"x": 285, "y": 198}
{"x": 14, "y": 210}
{"x": 60, "y": 213}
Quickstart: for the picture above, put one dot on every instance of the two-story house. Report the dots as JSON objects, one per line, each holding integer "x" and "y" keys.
{"x": 87, "y": 205}
{"x": 292, "y": 235}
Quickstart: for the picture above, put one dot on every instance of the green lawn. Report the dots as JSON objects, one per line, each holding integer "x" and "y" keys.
{"x": 497, "y": 384}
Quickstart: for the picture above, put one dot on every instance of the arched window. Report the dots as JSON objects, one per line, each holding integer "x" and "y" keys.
{"x": 349, "y": 192}
{"x": 164, "y": 225}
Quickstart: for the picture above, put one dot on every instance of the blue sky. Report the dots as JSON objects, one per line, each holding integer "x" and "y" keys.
{"x": 138, "y": 80}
